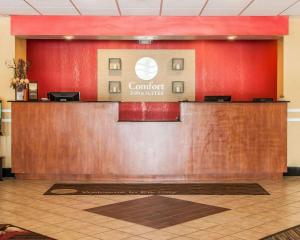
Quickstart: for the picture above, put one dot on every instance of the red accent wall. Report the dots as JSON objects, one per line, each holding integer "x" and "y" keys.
{"x": 243, "y": 69}
{"x": 149, "y": 111}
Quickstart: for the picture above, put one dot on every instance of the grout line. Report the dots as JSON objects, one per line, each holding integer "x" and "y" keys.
{"x": 245, "y": 8}
{"x": 35, "y": 9}
{"x": 77, "y": 9}
{"x": 204, "y": 6}
{"x": 161, "y": 7}
{"x": 292, "y": 5}
{"x": 118, "y": 7}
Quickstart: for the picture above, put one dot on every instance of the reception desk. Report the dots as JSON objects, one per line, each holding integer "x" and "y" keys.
{"x": 86, "y": 141}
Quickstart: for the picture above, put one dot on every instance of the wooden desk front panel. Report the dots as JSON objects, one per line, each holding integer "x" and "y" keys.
{"x": 85, "y": 138}
{"x": 238, "y": 139}
{"x": 225, "y": 140}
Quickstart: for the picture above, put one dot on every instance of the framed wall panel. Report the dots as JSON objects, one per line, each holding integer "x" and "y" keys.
{"x": 146, "y": 75}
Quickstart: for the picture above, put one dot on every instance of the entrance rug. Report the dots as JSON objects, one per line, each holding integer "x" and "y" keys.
{"x": 292, "y": 233}
{"x": 11, "y": 232}
{"x": 157, "y": 189}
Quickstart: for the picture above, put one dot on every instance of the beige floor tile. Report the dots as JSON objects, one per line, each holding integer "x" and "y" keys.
{"x": 200, "y": 224}
{"x": 182, "y": 238}
{"x": 92, "y": 230}
{"x": 83, "y": 206}
{"x": 136, "y": 229}
{"x": 158, "y": 235}
{"x": 89, "y": 238}
{"x": 102, "y": 201}
{"x": 112, "y": 235}
{"x": 74, "y": 224}
{"x": 180, "y": 229}
{"x": 230, "y": 238}
{"x": 28, "y": 223}
{"x": 46, "y": 230}
{"x": 205, "y": 235}
{"x": 293, "y": 216}
{"x": 55, "y": 220}
{"x": 100, "y": 222}
{"x": 68, "y": 235}
{"x": 225, "y": 229}
{"x": 289, "y": 222}
{"x": 249, "y": 235}
{"x": 116, "y": 224}
{"x": 135, "y": 238}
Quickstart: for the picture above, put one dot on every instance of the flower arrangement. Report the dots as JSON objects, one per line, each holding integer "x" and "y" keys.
{"x": 20, "y": 68}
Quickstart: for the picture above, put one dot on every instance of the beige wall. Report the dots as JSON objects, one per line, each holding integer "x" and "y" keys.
{"x": 292, "y": 88}
{"x": 7, "y": 52}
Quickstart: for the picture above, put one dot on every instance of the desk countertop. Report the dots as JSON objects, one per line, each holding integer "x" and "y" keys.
{"x": 141, "y": 102}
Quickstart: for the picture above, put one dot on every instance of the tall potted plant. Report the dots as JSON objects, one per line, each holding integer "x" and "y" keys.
{"x": 20, "y": 81}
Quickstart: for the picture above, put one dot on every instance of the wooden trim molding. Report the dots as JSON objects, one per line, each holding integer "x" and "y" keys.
{"x": 280, "y": 71}
{"x": 6, "y": 172}
{"x": 20, "y": 49}
{"x": 293, "y": 171}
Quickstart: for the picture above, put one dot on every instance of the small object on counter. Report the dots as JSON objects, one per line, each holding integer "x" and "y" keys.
{"x": 33, "y": 91}
{"x": 281, "y": 98}
{"x": 44, "y": 99}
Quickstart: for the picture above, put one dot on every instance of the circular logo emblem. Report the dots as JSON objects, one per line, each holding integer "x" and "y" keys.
{"x": 146, "y": 68}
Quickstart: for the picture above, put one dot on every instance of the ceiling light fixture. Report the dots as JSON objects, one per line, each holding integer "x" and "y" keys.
{"x": 145, "y": 41}
{"x": 68, "y": 37}
{"x": 231, "y": 38}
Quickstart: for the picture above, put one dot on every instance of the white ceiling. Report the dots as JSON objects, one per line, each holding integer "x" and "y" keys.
{"x": 151, "y": 7}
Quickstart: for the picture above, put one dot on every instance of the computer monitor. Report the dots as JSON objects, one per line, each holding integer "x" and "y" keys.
{"x": 64, "y": 96}
{"x": 217, "y": 98}
{"x": 262, "y": 99}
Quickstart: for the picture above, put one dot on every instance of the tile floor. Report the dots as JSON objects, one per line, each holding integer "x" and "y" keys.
{"x": 23, "y": 204}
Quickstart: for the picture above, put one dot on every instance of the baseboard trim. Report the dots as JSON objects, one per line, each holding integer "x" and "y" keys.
{"x": 6, "y": 172}
{"x": 292, "y": 171}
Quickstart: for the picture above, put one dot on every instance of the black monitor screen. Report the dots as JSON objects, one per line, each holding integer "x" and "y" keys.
{"x": 217, "y": 98}
{"x": 262, "y": 99}
{"x": 64, "y": 96}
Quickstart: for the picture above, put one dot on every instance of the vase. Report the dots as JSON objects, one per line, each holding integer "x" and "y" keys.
{"x": 21, "y": 93}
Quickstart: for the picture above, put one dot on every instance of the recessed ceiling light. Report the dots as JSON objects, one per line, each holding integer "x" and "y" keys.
{"x": 68, "y": 37}
{"x": 231, "y": 38}
{"x": 145, "y": 41}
